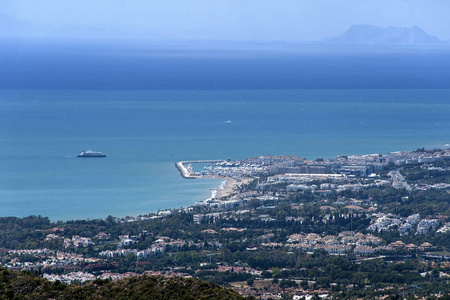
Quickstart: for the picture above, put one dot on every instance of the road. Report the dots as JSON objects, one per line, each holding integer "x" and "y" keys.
{"x": 398, "y": 181}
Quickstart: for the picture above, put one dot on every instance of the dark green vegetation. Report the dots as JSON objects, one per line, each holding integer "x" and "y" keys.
{"x": 17, "y": 233}
{"x": 25, "y": 285}
{"x": 437, "y": 172}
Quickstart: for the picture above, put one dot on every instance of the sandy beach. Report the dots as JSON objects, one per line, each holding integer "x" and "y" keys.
{"x": 230, "y": 185}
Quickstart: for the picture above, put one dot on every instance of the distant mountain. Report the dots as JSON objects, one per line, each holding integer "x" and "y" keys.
{"x": 369, "y": 34}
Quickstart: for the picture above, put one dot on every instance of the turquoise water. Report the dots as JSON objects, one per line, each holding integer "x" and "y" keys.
{"x": 145, "y": 132}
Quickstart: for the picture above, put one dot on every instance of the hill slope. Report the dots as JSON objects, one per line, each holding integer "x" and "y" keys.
{"x": 25, "y": 285}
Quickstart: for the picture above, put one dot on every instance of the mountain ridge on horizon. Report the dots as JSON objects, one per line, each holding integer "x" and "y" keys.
{"x": 357, "y": 34}
{"x": 365, "y": 34}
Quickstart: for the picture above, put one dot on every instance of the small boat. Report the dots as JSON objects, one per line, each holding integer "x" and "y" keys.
{"x": 90, "y": 153}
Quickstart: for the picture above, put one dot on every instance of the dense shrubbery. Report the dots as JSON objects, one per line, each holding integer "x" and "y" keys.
{"x": 25, "y": 285}
{"x": 222, "y": 277}
{"x": 416, "y": 173}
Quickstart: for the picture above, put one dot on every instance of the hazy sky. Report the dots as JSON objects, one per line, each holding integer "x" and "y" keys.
{"x": 267, "y": 20}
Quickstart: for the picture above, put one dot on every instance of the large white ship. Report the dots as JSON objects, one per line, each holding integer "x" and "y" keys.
{"x": 90, "y": 153}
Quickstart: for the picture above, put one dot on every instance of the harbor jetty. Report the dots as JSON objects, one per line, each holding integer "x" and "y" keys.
{"x": 185, "y": 168}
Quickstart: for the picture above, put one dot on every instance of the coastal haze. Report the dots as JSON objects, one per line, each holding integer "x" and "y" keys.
{"x": 267, "y": 20}
{"x": 150, "y": 85}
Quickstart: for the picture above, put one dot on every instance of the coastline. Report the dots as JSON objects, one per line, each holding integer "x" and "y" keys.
{"x": 140, "y": 178}
{"x": 228, "y": 186}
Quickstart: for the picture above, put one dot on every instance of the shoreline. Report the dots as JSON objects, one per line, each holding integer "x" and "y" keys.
{"x": 226, "y": 191}
{"x": 227, "y": 187}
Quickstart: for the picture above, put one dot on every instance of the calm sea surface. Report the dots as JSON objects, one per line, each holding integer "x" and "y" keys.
{"x": 147, "y": 106}
{"x": 145, "y": 132}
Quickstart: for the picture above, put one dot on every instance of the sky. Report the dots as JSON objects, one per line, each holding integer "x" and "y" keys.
{"x": 240, "y": 20}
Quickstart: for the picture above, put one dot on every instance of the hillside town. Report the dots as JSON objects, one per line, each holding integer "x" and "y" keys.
{"x": 270, "y": 231}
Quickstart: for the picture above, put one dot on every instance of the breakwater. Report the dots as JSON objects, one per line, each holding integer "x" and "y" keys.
{"x": 187, "y": 172}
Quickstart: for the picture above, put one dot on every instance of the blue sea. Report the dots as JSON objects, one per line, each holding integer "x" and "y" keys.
{"x": 213, "y": 106}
